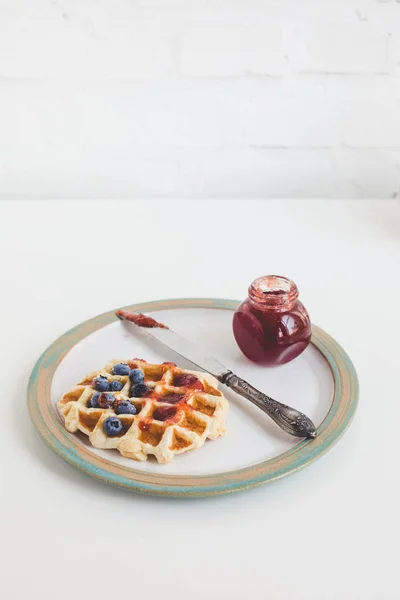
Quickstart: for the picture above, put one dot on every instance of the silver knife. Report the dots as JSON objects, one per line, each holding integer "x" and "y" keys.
{"x": 289, "y": 419}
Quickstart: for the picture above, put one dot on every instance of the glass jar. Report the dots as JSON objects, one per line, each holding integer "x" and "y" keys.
{"x": 271, "y": 326}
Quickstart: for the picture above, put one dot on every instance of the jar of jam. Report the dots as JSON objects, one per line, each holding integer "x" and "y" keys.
{"x": 271, "y": 326}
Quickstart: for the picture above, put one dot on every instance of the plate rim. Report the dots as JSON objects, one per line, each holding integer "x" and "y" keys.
{"x": 63, "y": 443}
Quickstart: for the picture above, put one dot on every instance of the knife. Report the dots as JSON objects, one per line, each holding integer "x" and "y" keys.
{"x": 289, "y": 419}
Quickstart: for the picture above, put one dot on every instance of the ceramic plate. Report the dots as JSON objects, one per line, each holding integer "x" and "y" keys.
{"x": 321, "y": 383}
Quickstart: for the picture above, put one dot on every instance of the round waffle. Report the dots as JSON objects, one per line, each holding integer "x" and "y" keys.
{"x": 178, "y": 413}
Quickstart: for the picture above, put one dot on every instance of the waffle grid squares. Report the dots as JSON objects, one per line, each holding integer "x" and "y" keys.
{"x": 190, "y": 413}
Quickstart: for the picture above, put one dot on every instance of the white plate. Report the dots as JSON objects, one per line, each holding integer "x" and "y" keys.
{"x": 321, "y": 383}
{"x": 305, "y": 383}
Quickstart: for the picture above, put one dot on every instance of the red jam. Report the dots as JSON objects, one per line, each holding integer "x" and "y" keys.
{"x": 172, "y": 398}
{"x": 271, "y": 326}
{"x": 187, "y": 380}
{"x": 139, "y": 319}
{"x": 164, "y": 413}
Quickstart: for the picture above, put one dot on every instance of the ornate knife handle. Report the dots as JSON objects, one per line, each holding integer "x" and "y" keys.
{"x": 289, "y": 419}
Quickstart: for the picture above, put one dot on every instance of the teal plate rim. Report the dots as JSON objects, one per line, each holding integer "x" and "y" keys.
{"x": 65, "y": 444}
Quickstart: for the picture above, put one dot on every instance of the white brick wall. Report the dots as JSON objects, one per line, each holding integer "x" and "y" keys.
{"x": 224, "y": 49}
{"x": 104, "y": 98}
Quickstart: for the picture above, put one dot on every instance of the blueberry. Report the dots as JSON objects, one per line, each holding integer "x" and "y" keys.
{"x": 94, "y": 401}
{"x": 136, "y": 376}
{"x": 125, "y": 408}
{"x": 101, "y": 384}
{"x": 139, "y": 390}
{"x": 121, "y": 369}
{"x": 105, "y": 400}
{"x": 112, "y": 426}
{"x": 116, "y": 386}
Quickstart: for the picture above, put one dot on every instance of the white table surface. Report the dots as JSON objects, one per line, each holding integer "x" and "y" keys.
{"x": 330, "y": 531}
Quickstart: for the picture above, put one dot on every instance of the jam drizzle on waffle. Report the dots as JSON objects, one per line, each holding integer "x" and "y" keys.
{"x": 165, "y": 412}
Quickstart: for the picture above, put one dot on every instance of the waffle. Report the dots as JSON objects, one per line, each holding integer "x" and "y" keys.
{"x": 179, "y": 412}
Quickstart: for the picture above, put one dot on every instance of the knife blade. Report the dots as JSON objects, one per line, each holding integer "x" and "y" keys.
{"x": 289, "y": 419}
